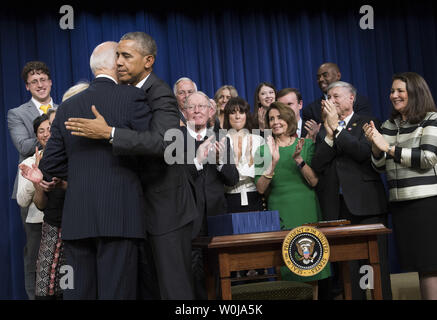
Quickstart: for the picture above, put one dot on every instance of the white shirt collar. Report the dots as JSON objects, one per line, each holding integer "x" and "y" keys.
{"x": 140, "y": 84}
{"x": 106, "y": 76}
{"x": 39, "y": 104}
{"x": 194, "y": 133}
{"x": 299, "y": 127}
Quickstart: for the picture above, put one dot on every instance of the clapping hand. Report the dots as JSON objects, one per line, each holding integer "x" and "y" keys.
{"x": 203, "y": 150}
{"x": 220, "y": 150}
{"x": 372, "y": 134}
{"x": 296, "y": 155}
{"x": 32, "y": 174}
{"x": 274, "y": 150}
{"x": 262, "y": 117}
{"x": 326, "y": 112}
{"x": 312, "y": 129}
{"x": 331, "y": 114}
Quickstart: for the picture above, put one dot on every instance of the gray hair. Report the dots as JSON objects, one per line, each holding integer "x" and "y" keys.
{"x": 79, "y": 87}
{"x": 104, "y": 56}
{"x": 145, "y": 44}
{"x": 343, "y": 84}
{"x": 183, "y": 79}
{"x": 197, "y": 92}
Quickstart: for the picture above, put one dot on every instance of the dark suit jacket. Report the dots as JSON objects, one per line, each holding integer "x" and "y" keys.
{"x": 169, "y": 197}
{"x": 104, "y": 196}
{"x": 209, "y": 182}
{"x": 313, "y": 110}
{"x": 348, "y": 165}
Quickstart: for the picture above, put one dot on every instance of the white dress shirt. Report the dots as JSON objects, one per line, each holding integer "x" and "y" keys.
{"x": 245, "y": 169}
{"x": 106, "y": 76}
{"x": 299, "y": 128}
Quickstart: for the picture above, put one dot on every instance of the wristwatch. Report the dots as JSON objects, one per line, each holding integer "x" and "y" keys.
{"x": 301, "y": 165}
{"x": 337, "y": 130}
{"x": 269, "y": 176}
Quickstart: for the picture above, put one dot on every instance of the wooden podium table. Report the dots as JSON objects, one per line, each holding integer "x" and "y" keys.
{"x": 264, "y": 250}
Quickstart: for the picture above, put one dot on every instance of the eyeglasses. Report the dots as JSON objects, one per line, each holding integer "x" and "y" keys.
{"x": 35, "y": 82}
{"x": 198, "y": 106}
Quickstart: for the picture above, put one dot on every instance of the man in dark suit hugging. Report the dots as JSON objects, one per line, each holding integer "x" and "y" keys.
{"x": 103, "y": 218}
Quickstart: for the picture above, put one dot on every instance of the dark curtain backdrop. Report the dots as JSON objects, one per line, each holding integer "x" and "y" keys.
{"x": 281, "y": 44}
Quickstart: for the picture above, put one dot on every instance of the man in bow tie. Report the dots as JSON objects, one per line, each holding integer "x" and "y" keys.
{"x": 348, "y": 186}
{"x": 36, "y": 76}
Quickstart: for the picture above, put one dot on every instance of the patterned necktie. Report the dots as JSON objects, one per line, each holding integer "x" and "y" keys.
{"x": 45, "y": 107}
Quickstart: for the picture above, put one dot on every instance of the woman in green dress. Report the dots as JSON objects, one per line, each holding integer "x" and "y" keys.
{"x": 283, "y": 173}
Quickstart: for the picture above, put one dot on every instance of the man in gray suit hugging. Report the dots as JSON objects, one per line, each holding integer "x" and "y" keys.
{"x": 36, "y": 76}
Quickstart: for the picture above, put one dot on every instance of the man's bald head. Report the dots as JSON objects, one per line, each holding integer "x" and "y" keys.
{"x": 103, "y": 59}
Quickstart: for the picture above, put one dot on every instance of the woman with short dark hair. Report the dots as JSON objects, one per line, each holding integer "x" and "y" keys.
{"x": 406, "y": 150}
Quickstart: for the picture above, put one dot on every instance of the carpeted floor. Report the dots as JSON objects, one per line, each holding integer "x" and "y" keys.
{"x": 405, "y": 286}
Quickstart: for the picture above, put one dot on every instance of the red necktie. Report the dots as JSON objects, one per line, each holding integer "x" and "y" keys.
{"x": 199, "y": 137}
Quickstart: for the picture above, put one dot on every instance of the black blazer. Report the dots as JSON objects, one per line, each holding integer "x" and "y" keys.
{"x": 169, "y": 197}
{"x": 104, "y": 197}
{"x": 313, "y": 110}
{"x": 348, "y": 165}
{"x": 209, "y": 182}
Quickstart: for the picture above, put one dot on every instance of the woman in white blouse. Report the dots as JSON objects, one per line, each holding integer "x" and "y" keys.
{"x": 25, "y": 193}
{"x": 244, "y": 196}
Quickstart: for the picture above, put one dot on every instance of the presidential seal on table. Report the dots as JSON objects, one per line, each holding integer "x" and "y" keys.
{"x": 305, "y": 251}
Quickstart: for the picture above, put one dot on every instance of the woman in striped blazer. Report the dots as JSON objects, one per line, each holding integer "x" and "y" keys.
{"x": 406, "y": 150}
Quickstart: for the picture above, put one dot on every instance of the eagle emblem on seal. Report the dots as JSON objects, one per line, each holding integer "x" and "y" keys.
{"x": 305, "y": 247}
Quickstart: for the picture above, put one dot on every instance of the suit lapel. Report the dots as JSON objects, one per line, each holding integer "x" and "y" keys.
{"x": 150, "y": 80}
{"x": 31, "y": 114}
{"x": 33, "y": 110}
{"x": 354, "y": 124}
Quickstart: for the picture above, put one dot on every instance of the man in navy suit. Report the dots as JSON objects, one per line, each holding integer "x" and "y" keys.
{"x": 348, "y": 186}
{"x": 169, "y": 196}
{"x": 103, "y": 219}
